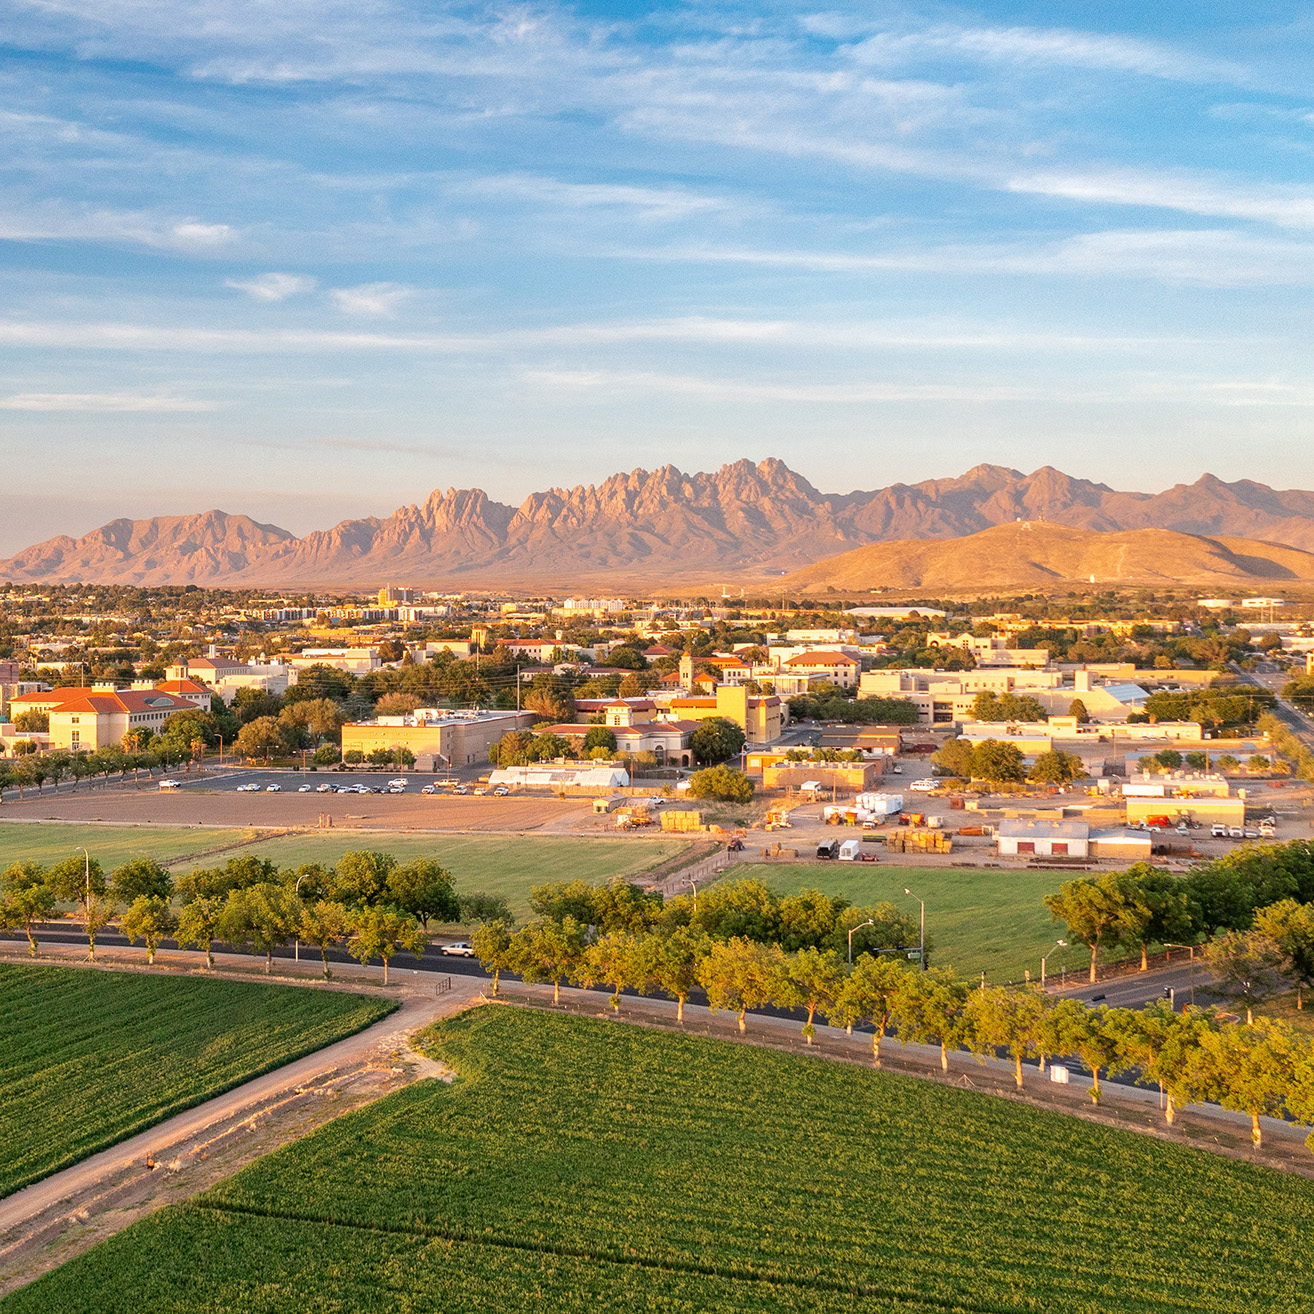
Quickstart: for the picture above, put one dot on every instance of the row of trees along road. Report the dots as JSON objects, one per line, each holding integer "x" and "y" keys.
{"x": 1251, "y": 897}
{"x": 372, "y": 904}
{"x": 749, "y": 950}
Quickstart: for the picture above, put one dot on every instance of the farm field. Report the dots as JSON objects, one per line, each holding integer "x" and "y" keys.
{"x": 994, "y": 921}
{"x": 92, "y": 1057}
{"x": 584, "y": 1164}
{"x": 47, "y": 843}
{"x": 509, "y": 865}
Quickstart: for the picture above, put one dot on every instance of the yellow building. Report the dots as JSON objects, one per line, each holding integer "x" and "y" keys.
{"x": 760, "y": 717}
{"x": 437, "y": 738}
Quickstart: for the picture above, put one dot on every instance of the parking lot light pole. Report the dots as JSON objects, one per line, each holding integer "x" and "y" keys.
{"x": 860, "y": 925}
{"x": 922, "y": 943}
{"x": 1058, "y": 944}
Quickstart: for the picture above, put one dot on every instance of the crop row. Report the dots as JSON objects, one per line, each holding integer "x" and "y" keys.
{"x": 93, "y": 1057}
{"x": 679, "y": 1152}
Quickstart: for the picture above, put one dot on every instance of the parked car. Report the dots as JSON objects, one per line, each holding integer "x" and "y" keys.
{"x": 479, "y": 789}
{"x": 429, "y": 789}
{"x": 1250, "y": 833}
{"x": 400, "y": 783}
{"x": 273, "y": 789}
{"x": 896, "y": 770}
{"x": 324, "y": 789}
{"x": 458, "y": 949}
{"x": 1218, "y": 830}
{"x": 305, "y": 789}
{"x": 923, "y": 786}
{"x": 1266, "y": 831}
{"x": 170, "y": 784}
{"x": 461, "y": 789}
{"x": 501, "y": 791}
{"x": 249, "y": 788}
{"x": 829, "y": 849}
{"x": 1236, "y": 832}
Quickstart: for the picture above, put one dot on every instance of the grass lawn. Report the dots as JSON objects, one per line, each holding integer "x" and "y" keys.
{"x": 91, "y": 1057}
{"x": 508, "y": 865}
{"x": 51, "y": 841}
{"x": 977, "y": 919}
{"x": 594, "y": 1166}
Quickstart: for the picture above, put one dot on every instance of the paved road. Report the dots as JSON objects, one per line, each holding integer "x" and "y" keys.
{"x": 417, "y": 1011}
{"x": 1142, "y": 988}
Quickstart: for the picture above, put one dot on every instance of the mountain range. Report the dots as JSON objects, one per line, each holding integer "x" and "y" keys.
{"x": 1043, "y": 555}
{"x": 742, "y": 523}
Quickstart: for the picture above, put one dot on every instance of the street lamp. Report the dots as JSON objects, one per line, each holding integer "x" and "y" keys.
{"x": 860, "y": 925}
{"x": 922, "y": 944}
{"x": 693, "y": 885}
{"x": 1058, "y": 944}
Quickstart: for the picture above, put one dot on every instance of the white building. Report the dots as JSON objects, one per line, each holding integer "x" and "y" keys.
{"x": 1023, "y": 838}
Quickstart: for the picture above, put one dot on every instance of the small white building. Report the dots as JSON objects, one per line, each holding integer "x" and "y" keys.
{"x": 1026, "y": 838}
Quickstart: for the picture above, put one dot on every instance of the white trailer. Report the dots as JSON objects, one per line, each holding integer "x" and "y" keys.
{"x": 850, "y": 851}
{"x": 880, "y": 805}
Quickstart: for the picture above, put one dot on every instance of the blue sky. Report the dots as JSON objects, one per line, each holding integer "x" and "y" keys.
{"x": 314, "y": 258}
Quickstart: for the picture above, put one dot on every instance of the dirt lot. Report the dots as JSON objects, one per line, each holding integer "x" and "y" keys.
{"x": 279, "y": 811}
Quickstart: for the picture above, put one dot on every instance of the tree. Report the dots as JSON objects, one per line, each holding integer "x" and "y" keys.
{"x": 1078, "y": 709}
{"x": 324, "y": 924}
{"x": 599, "y": 736}
{"x": 82, "y": 881}
{"x": 1253, "y": 1067}
{"x": 362, "y": 876}
{"x": 379, "y": 932}
{"x": 553, "y": 702}
{"x": 1092, "y": 1034}
{"x": 424, "y": 889}
{"x": 1247, "y": 966}
{"x": 989, "y": 706}
{"x": 1165, "y": 915}
{"x": 628, "y": 658}
{"x": 812, "y": 981}
{"x": 995, "y": 761}
{"x": 260, "y": 917}
{"x": 999, "y": 1018}
{"x": 395, "y": 704}
{"x": 492, "y": 943}
{"x": 318, "y": 719}
{"x": 151, "y": 920}
{"x": 928, "y": 1010}
{"x": 1056, "y": 767}
{"x": 871, "y": 991}
{"x": 614, "y": 959}
{"x": 256, "y": 704}
{"x": 726, "y": 783}
{"x": 32, "y": 723}
{"x": 26, "y": 900}
{"x": 1098, "y": 910}
{"x": 263, "y": 738}
{"x": 954, "y": 758}
{"x": 479, "y": 907}
{"x": 716, "y": 739}
{"x": 739, "y": 975}
{"x": 1289, "y": 927}
{"x": 548, "y": 951}
{"x": 1166, "y": 1047}
{"x": 198, "y": 924}
{"x": 671, "y": 962}
{"x": 140, "y": 878}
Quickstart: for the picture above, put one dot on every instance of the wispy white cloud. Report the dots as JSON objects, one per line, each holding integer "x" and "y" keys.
{"x": 1032, "y": 47}
{"x": 649, "y": 202}
{"x": 273, "y": 287}
{"x": 101, "y": 402}
{"x": 377, "y": 299}
{"x": 56, "y": 221}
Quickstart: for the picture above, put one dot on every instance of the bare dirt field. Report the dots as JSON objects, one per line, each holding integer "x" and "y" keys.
{"x": 289, "y": 810}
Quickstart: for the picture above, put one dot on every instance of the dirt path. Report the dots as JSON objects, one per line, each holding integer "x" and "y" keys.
{"x": 52, "y": 1220}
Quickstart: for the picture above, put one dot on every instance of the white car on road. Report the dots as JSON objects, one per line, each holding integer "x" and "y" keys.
{"x": 459, "y": 949}
{"x": 273, "y": 789}
{"x": 249, "y": 788}
{"x": 400, "y": 783}
{"x": 170, "y": 784}
{"x": 922, "y": 786}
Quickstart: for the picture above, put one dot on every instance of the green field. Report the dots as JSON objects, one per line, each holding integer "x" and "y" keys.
{"x": 589, "y": 1165}
{"x": 978, "y": 919}
{"x": 508, "y": 865}
{"x": 51, "y": 841}
{"x": 90, "y": 1057}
